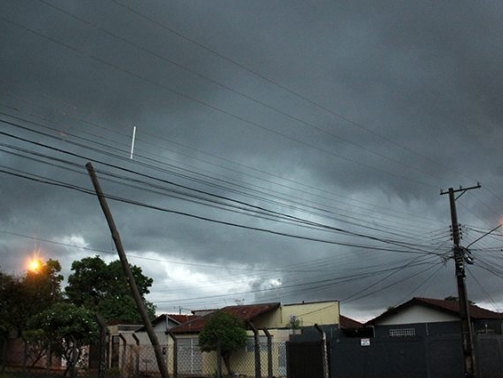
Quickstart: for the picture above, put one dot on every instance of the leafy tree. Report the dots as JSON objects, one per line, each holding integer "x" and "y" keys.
{"x": 10, "y": 289}
{"x": 223, "y": 332}
{"x": 43, "y": 286}
{"x": 24, "y": 296}
{"x": 36, "y": 345}
{"x": 68, "y": 328}
{"x": 103, "y": 288}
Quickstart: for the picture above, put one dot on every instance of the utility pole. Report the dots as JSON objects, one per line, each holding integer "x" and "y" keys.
{"x": 459, "y": 263}
{"x": 127, "y": 271}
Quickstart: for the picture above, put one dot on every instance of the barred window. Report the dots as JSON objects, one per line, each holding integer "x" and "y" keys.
{"x": 402, "y": 332}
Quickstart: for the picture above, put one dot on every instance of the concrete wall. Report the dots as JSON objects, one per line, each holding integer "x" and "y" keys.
{"x": 417, "y": 314}
{"x": 309, "y": 314}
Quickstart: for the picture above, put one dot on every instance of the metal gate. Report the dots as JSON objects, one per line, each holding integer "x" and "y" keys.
{"x": 189, "y": 356}
{"x": 304, "y": 359}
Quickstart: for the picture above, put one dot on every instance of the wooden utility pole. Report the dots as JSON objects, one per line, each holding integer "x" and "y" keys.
{"x": 129, "y": 275}
{"x": 459, "y": 263}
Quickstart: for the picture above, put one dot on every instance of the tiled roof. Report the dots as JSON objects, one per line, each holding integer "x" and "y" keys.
{"x": 177, "y": 318}
{"x": 447, "y": 306}
{"x": 346, "y": 322}
{"x": 181, "y": 318}
{"x": 244, "y": 312}
{"x": 476, "y": 312}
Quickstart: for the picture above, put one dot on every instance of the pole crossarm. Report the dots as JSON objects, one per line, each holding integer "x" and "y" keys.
{"x": 460, "y": 189}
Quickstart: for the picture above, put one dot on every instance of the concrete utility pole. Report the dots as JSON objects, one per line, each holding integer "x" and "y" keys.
{"x": 459, "y": 263}
{"x": 324, "y": 351}
{"x": 129, "y": 275}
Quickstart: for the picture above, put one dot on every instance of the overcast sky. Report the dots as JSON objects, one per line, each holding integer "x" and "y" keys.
{"x": 285, "y": 150}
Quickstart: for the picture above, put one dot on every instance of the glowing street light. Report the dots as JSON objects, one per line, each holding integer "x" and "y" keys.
{"x": 34, "y": 265}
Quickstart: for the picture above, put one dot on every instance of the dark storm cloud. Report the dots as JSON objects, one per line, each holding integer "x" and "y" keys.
{"x": 353, "y": 114}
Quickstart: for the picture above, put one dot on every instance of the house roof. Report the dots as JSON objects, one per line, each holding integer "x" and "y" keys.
{"x": 181, "y": 318}
{"x": 244, "y": 312}
{"x": 446, "y": 306}
{"x": 176, "y": 318}
{"x": 347, "y": 323}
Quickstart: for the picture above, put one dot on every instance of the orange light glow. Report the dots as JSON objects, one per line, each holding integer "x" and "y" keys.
{"x": 34, "y": 265}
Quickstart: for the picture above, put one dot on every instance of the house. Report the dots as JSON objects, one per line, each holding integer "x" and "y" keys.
{"x": 279, "y": 322}
{"x": 352, "y": 328}
{"x": 161, "y": 325}
{"x": 420, "y": 338}
{"x": 130, "y": 346}
{"x": 429, "y": 317}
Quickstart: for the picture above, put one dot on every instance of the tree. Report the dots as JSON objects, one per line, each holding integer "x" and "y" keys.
{"x": 24, "y": 296}
{"x": 68, "y": 329}
{"x": 223, "y": 332}
{"x": 36, "y": 345}
{"x": 103, "y": 288}
{"x": 10, "y": 293}
{"x": 44, "y": 283}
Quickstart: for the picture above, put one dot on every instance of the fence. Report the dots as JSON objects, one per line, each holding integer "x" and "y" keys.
{"x": 126, "y": 360}
{"x": 190, "y": 361}
{"x": 411, "y": 357}
{"x": 438, "y": 356}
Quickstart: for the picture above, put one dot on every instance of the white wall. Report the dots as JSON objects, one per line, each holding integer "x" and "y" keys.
{"x": 417, "y": 314}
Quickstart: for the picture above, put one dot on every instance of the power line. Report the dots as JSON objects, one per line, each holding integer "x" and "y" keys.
{"x": 270, "y": 81}
{"x": 208, "y": 105}
{"x": 330, "y": 228}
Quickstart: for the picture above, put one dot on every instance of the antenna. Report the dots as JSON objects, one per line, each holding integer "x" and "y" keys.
{"x": 132, "y": 142}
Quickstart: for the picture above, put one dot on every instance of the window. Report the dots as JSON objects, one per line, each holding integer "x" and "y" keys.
{"x": 402, "y": 332}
